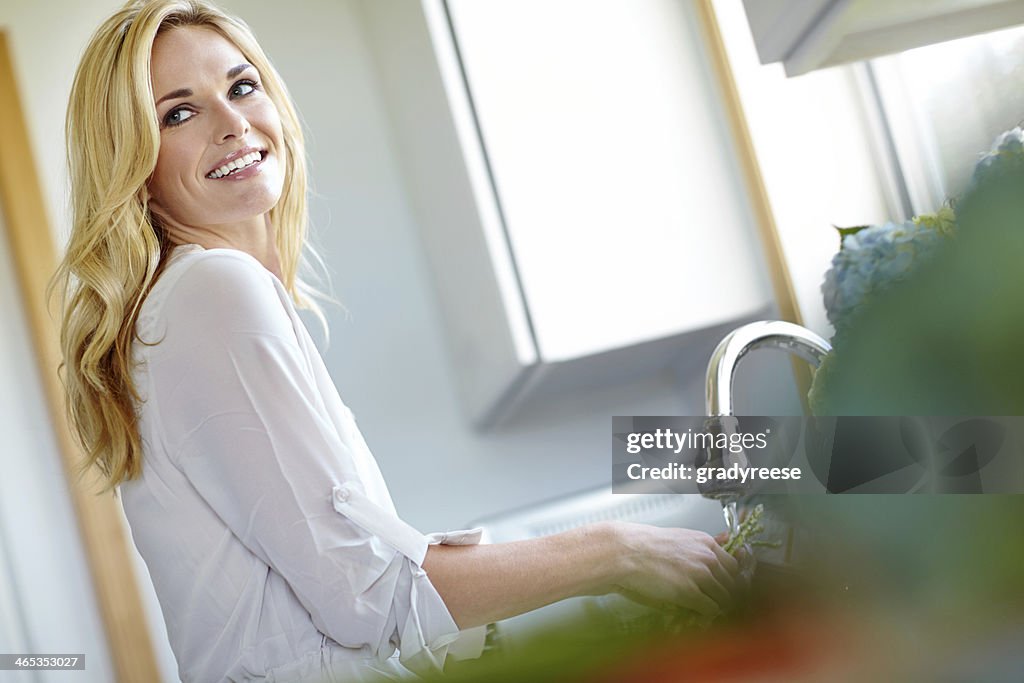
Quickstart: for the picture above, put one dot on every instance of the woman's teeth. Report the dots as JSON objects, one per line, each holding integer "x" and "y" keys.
{"x": 232, "y": 166}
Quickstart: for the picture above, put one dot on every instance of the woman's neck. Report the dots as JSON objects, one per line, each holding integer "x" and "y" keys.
{"x": 259, "y": 241}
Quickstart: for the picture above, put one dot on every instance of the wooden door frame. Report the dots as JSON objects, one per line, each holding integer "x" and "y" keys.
{"x": 30, "y": 240}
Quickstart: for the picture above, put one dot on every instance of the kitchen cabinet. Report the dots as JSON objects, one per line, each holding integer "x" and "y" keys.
{"x": 812, "y": 34}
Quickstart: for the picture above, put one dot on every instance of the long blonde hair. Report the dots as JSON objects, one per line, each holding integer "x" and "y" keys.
{"x": 117, "y": 248}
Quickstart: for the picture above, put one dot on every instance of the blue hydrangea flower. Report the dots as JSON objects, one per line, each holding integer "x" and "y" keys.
{"x": 1007, "y": 153}
{"x": 878, "y": 256}
{"x": 871, "y": 260}
{"x": 874, "y": 258}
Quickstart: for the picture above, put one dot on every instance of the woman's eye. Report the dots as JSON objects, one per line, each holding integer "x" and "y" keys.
{"x": 176, "y": 117}
{"x": 243, "y": 88}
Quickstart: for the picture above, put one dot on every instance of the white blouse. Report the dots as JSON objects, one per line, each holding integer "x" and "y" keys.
{"x": 267, "y": 528}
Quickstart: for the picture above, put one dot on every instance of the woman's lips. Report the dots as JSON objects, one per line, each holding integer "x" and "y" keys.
{"x": 247, "y": 172}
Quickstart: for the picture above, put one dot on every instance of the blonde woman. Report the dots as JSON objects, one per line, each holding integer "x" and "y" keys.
{"x": 269, "y": 533}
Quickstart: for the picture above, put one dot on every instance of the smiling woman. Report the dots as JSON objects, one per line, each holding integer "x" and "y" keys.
{"x": 218, "y": 127}
{"x": 139, "y": 189}
{"x": 269, "y": 533}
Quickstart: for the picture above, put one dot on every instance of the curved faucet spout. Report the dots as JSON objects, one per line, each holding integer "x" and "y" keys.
{"x": 773, "y": 334}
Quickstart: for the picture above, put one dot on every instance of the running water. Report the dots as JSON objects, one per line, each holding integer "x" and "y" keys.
{"x": 732, "y": 520}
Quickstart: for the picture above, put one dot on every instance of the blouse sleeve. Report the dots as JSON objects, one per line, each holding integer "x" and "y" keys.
{"x": 243, "y": 420}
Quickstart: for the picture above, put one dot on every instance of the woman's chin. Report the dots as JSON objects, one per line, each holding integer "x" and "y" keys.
{"x": 243, "y": 204}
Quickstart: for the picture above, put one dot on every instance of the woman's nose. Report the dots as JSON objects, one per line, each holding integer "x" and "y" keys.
{"x": 231, "y": 123}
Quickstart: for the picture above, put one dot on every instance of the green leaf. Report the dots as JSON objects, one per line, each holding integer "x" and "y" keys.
{"x": 843, "y": 232}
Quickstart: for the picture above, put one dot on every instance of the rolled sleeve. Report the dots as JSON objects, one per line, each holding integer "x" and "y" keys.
{"x": 428, "y": 633}
{"x": 244, "y": 421}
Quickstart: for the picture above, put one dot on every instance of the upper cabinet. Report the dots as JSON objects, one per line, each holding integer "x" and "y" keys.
{"x": 811, "y": 34}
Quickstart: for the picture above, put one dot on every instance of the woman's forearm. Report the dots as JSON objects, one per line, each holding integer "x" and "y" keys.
{"x": 484, "y": 583}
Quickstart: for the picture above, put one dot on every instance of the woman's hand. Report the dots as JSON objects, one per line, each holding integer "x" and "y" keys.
{"x": 680, "y": 567}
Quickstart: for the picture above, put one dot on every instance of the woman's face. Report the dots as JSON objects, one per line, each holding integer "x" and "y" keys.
{"x": 221, "y": 166}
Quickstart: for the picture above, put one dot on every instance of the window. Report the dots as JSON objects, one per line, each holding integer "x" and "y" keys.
{"x": 945, "y": 104}
{"x": 576, "y": 188}
{"x": 609, "y": 157}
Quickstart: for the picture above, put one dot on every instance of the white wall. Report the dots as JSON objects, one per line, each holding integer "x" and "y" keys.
{"x": 389, "y": 359}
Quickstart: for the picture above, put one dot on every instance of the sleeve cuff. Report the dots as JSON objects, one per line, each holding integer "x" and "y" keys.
{"x": 430, "y": 634}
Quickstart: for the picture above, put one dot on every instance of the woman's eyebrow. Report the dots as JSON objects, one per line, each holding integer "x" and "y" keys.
{"x": 175, "y": 94}
{"x": 187, "y": 92}
{"x": 235, "y": 70}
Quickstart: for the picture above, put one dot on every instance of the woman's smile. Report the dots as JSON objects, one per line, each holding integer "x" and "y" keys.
{"x": 245, "y": 163}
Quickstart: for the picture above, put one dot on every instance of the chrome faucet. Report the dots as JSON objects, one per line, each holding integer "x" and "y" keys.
{"x": 772, "y": 334}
